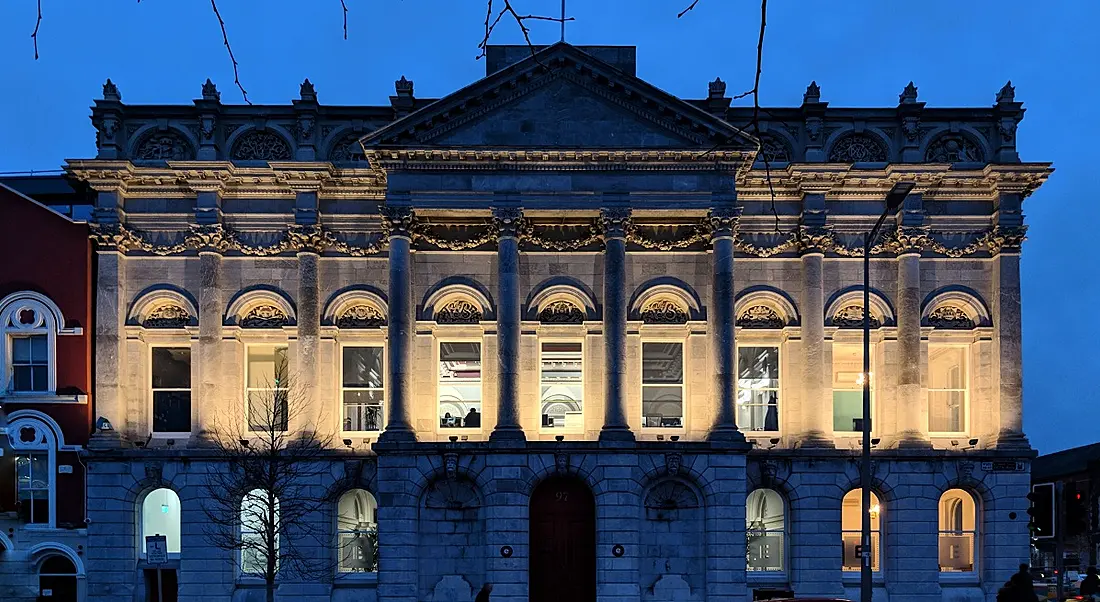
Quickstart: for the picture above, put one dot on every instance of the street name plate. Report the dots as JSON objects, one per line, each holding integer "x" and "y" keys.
{"x": 1003, "y": 466}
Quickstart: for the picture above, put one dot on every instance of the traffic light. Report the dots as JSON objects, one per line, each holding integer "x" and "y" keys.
{"x": 1041, "y": 512}
{"x": 1077, "y": 514}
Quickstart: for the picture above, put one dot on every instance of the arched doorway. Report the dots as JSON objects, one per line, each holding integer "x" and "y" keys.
{"x": 57, "y": 579}
{"x": 562, "y": 564}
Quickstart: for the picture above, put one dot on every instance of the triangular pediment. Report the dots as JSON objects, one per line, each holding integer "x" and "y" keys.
{"x": 561, "y": 98}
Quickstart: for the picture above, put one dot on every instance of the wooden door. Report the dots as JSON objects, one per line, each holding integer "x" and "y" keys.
{"x": 562, "y": 542}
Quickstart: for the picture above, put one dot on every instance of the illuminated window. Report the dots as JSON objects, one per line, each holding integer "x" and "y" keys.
{"x": 662, "y": 385}
{"x": 32, "y": 484}
{"x": 171, "y": 380}
{"x": 160, "y": 515}
{"x": 267, "y": 391}
{"x": 363, "y": 391}
{"x": 958, "y": 531}
{"x": 758, "y": 388}
{"x": 357, "y": 532}
{"x": 848, "y": 388}
{"x": 851, "y": 526}
{"x": 259, "y": 531}
{"x": 460, "y": 385}
{"x": 947, "y": 381}
{"x": 561, "y": 385}
{"x": 765, "y": 531}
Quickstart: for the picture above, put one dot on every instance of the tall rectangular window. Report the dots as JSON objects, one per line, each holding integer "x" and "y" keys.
{"x": 662, "y": 385}
{"x": 460, "y": 385}
{"x": 171, "y": 381}
{"x": 267, "y": 390}
{"x": 32, "y": 483}
{"x": 758, "y": 388}
{"x": 30, "y": 363}
{"x": 363, "y": 391}
{"x": 947, "y": 381}
{"x": 561, "y": 385}
{"x": 848, "y": 387}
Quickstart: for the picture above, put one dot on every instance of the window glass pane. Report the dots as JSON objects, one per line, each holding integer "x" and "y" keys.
{"x": 947, "y": 367}
{"x": 39, "y": 378}
{"x": 958, "y": 531}
{"x": 758, "y": 367}
{"x": 256, "y": 516}
{"x": 363, "y": 367}
{"x": 460, "y": 385}
{"x": 357, "y": 532}
{"x": 22, "y": 378}
{"x": 363, "y": 410}
{"x": 39, "y": 349}
{"x": 663, "y": 406}
{"x": 21, "y": 350}
{"x": 851, "y": 526}
{"x": 267, "y": 410}
{"x": 765, "y": 531}
{"x": 267, "y": 366}
{"x": 40, "y": 471}
{"x": 945, "y": 411}
{"x": 160, "y": 515}
{"x": 758, "y": 410}
{"x": 847, "y": 410}
{"x": 171, "y": 411}
{"x": 171, "y": 367}
{"x": 662, "y": 363}
{"x": 758, "y": 388}
{"x": 562, "y": 388}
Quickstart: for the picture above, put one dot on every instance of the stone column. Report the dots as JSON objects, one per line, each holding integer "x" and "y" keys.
{"x": 723, "y": 222}
{"x": 1007, "y": 334}
{"x": 398, "y": 222}
{"x": 509, "y": 222}
{"x": 309, "y": 338}
{"x": 615, "y": 222}
{"x": 211, "y": 311}
{"x": 910, "y": 402}
{"x": 816, "y": 406}
{"x": 110, "y": 309}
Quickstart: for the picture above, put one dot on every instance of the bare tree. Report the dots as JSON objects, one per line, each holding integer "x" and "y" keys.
{"x": 262, "y": 492}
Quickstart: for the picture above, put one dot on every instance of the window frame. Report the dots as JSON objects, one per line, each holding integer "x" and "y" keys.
{"x": 975, "y": 534}
{"x": 436, "y": 355}
{"x": 659, "y": 340}
{"x": 50, "y": 324}
{"x": 764, "y": 575}
{"x": 749, "y": 432}
{"x": 247, "y": 389}
{"x": 874, "y": 385}
{"x": 241, "y": 532}
{"x": 966, "y": 366}
{"x": 565, "y": 429}
{"x": 50, "y": 489}
{"x": 152, "y": 397}
{"x": 385, "y": 377}
{"x": 876, "y": 534}
{"x": 338, "y": 548}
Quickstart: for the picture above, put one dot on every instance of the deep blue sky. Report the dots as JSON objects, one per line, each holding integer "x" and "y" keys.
{"x": 861, "y": 52}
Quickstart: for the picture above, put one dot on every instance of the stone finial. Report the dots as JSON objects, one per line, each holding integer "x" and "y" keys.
{"x": 404, "y": 87}
{"x": 813, "y": 93}
{"x": 210, "y": 91}
{"x": 717, "y": 88}
{"x": 306, "y": 91}
{"x": 908, "y": 95}
{"x": 110, "y": 91}
{"x": 1007, "y": 93}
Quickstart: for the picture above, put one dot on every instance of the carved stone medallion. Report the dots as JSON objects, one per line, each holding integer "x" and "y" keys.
{"x": 561, "y": 312}
{"x": 950, "y": 318}
{"x": 167, "y": 316}
{"x": 361, "y": 316}
{"x": 851, "y": 316}
{"x": 458, "y": 311}
{"x": 663, "y": 311}
{"x": 760, "y": 316}
{"x": 164, "y": 146}
{"x": 953, "y": 149}
{"x": 261, "y": 145}
{"x": 858, "y": 148}
{"x": 264, "y": 316}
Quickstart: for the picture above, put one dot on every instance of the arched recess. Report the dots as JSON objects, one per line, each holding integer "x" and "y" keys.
{"x": 970, "y": 146}
{"x": 959, "y": 518}
{"x": 269, "y": 143}
{"x": 561, "y": 300}
{"x": 674, "y": 539}
{"x": 845, "y": 309}
{"x": 766, "y": 531}
{"x": 955, "y": 308}
{"x": 356, "y": 307}
{"x": 849, "y": 146}
{"x": 665, "y": 300}
{"x": 154, "y": 143}
{"x": 452, "y": 520}
{"x": 30, "y": 323}
{"x": 163, "y": 306}
{"x": 562, "y": 540}
{"x": 160, "y": 514}
{"x": 261, "y": 307}
{"x": 765, "y": 307}
{"x": 775, "y": 146}
{"x": 59, "y": 570}
{"x": 457, "y": 301}
{"x": 35, "y": 439}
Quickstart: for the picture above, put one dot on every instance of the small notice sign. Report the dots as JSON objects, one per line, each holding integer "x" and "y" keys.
{"x": 156, "y": 549}
{"x": 1003, "y": 466}
{"x": 47, "y": 592}
{"x": 65, "y": 469}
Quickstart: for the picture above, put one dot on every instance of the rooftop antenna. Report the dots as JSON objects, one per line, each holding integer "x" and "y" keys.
{"x": 562, "y": 20}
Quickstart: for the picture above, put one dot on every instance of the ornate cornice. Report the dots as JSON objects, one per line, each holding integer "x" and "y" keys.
{"x": 437, "y": 159}
{"x": 219, "y": 239}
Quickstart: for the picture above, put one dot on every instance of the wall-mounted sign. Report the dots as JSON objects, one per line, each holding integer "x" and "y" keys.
{"x": 65, "y": 469}
{"x": 506, "y": 551}
{"x": 156, "y": 549}
{"x": 47, "y": 592}
{"x": 1004, "y": 466}
{"x": 617, "y": 551}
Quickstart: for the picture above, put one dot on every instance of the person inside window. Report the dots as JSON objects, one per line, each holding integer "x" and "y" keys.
{"x": 473, "y": 419}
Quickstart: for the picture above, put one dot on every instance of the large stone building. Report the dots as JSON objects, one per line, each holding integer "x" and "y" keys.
{"x": 572, "y": 336}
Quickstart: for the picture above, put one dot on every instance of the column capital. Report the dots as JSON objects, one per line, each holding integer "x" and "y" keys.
{"x": 814, "y": 240}
{"x": 308, "y": 238}
{"x": 1007, "y": 240}
{"x": 723, "y": 221}
{"x": 615, "y": 222}
{"x": 508, "y": 221}
{"x": 210, "y": 238}
{"x": 906, "y": 240}
{"x": 398, "y": 221}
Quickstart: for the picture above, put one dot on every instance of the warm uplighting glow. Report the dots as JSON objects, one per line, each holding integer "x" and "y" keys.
{"x": 874, "y": 510}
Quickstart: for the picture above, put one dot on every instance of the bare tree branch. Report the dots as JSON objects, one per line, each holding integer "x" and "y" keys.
{"x": 344, "y": 5}
{"x": 34, "y": 35}
{"x": 686, "y": 10}
{"x": 519, "y": 19}
{"x": 225, "y": 40}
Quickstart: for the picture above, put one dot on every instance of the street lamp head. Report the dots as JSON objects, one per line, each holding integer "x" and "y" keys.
{"x": 897, "y": 194}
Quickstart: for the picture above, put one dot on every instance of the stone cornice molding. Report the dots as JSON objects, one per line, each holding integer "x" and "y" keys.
{"x": 444, "y": 159}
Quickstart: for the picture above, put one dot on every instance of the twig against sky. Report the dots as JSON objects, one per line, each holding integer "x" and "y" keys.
{"x": 34, "y": 35}
{"x": 344, "y": 5}
{"x": 225, "y": 39}
{"x": 689, "y": 8}
{"x": 491, "y": 24}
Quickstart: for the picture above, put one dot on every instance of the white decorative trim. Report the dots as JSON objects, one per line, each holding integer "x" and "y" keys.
{"x": 39, "y": 551}
{"x": 768, "y": 298}
{"x": 880, "y": 309}
{"x": 963, "y": 300}
{"x": 44, "y": 398}
{"x": 147, "y": 303}
{"x": 6, "y": 544}
{"x": 49, "y": 321}
{"x": 245, "y": 302}
{"x": 347, "y": 299}
{"x": 45, "y": 441}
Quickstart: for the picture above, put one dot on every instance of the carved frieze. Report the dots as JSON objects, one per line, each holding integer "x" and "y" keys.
{"x": 859, "y": 148}
{"x": 167, "y": 316}
{"x": 164, "y": 146}
{"x": 760, "y": 316}
{"x": 561, "y": 238}
{"x": 561, "y": 312}
{"x": 261, "y": 145}
{"x": 851, "y": 316}
{"x": 264, "y": 316}
{"x": 949, "y": 317}
{"x": 663, "y": 311}
{"x": 361, "y": 316}
{"x": 458, "y": 311}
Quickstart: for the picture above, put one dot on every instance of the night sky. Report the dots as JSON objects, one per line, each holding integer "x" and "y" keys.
{"x": 862, "y": 53}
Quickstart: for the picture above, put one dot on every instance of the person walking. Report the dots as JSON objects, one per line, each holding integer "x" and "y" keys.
{"x": 1090, "y": 586}
{"x": 483, "y": 595}
{"x": 1019, "y": 587}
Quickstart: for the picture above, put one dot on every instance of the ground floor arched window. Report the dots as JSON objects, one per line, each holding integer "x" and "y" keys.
{"x": 160, "y": 515}
{"x": 765, "y": 531}
{"x": 357, "y": 532}
{"x": 57, "y": 579}
{"x": 851, "y": 527}
{"x": 958, "y": 531}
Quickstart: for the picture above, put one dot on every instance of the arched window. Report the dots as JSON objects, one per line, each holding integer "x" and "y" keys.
{"x": 851, "y": 526}
{"x": 357, "y": 532}
{"x": 765, "y": 531}
{"x": 29, "y": 323}
{"x": 958, "y": 531}
{"x": 160, "y": 515}
{"x": 57, "y": 579}
{"x": 259, "y": 516}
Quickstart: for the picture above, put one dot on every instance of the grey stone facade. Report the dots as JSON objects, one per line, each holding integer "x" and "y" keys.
{"x": 564, "y": 178}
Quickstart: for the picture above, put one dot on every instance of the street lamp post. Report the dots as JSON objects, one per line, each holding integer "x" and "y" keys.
{"x": 894, "y": 199}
